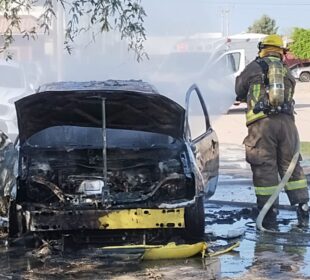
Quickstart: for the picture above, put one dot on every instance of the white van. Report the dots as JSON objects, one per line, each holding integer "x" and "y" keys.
{"x": 214, "y": 72}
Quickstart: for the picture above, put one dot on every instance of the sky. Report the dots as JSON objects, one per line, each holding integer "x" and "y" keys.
{"x": 181, "y": 17}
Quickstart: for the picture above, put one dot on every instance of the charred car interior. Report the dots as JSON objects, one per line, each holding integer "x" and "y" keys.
{"x": 111, "y": 163}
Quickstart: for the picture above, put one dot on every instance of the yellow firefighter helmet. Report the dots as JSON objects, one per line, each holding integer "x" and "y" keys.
{"x": 272, "y": 40}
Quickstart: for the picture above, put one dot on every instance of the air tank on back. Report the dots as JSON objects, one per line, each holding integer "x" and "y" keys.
{"x": 276, "y": 84}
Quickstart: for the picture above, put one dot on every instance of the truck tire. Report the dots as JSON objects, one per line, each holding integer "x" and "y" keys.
{"x": 304, "y": 77}
{"x": 195, "y": 221}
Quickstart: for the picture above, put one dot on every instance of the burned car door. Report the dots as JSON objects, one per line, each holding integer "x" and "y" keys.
{"x": 202, "y": 138}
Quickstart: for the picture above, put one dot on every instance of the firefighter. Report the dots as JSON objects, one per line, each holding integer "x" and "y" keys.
{"x": 267, "y": 86}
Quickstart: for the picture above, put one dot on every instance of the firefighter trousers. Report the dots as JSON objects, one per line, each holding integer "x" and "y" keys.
{"x": 270, "y": 146}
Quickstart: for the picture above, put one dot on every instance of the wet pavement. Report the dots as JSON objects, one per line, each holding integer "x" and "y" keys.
{"x": 229, "y": 218}
{"x": 260, "y": 255}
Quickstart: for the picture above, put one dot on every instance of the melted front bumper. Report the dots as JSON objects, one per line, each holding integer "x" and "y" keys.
{"x": 66, "y": 220}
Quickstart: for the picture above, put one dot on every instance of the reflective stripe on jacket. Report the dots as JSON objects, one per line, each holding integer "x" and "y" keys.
{"x": 253, "y": 97}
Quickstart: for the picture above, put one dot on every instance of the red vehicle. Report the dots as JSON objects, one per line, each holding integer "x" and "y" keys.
{"x": 292, "y": 61}
{"x": 300, "y": 68}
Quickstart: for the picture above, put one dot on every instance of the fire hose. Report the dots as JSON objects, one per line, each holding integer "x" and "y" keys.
{"x": 274, "y": 196}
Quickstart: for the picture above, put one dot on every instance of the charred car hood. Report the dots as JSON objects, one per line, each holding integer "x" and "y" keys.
{"x": 126, "y": 108}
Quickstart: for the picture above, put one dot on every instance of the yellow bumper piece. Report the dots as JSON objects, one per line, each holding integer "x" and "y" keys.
{"x": 173, "y": 251}
{"x": 143, "y": 219}
{"x": 169, "y": 251}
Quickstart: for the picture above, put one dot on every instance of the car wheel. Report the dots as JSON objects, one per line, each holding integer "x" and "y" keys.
{"x": 304, "y": 77}
{"x": 13, "y": 224}
{"x": 195, "y": 221}
{"x": 16, "y": 221}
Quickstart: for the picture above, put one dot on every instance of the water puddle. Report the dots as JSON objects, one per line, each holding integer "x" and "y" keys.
{"x": 290, "y": 249}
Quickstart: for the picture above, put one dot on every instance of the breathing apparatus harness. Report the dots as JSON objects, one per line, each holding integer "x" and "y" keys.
{"x": 273, "y": 101}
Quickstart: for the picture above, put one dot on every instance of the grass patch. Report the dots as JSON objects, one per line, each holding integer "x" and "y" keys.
{"x": 305, "y": 150}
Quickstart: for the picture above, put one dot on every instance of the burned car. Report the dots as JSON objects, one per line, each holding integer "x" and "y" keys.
{"x": 112, "y": 162}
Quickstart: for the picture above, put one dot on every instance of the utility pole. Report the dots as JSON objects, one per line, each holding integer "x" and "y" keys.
{"x": 225, "y": 21}
{"x": 60, "y": 40}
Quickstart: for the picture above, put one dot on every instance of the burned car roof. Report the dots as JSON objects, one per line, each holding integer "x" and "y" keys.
{"x": 132, "y": 105}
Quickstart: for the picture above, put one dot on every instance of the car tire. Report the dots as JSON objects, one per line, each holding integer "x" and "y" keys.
{"x": 304, "y": 77}
{"x": 13, "y": 229}
{"x": 195, "y": 220}
{"x": 17, "y": 222}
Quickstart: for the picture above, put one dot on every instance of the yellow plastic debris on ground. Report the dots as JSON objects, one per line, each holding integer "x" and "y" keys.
{"x": 169, "y": 251}
{"x": 222, "y": 249}
{"x": 174, "y": 251}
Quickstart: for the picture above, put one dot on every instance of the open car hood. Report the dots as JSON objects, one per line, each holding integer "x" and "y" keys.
{"x": 126, "y": 108}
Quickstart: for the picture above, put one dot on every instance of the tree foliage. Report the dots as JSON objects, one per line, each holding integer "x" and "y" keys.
{"x": 301, "y": 43}
{"x": 125, "y": 16}
{"x": 264, "y": 25}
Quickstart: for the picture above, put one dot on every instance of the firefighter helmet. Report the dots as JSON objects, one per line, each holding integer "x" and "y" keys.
{"x": 271, "y": 40}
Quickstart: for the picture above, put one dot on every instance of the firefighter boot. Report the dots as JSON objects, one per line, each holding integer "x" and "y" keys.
{"x": 303, "y": 215}
{"x": 270, "y": 220}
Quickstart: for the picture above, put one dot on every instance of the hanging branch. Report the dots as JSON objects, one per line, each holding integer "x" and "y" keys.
{"x": 124, "y": 16}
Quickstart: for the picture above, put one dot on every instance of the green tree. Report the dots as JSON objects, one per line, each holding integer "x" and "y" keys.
{"x": 265, "y": 25}
{"x": 301, "y": 43}
{"x": 125, "y": 16}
